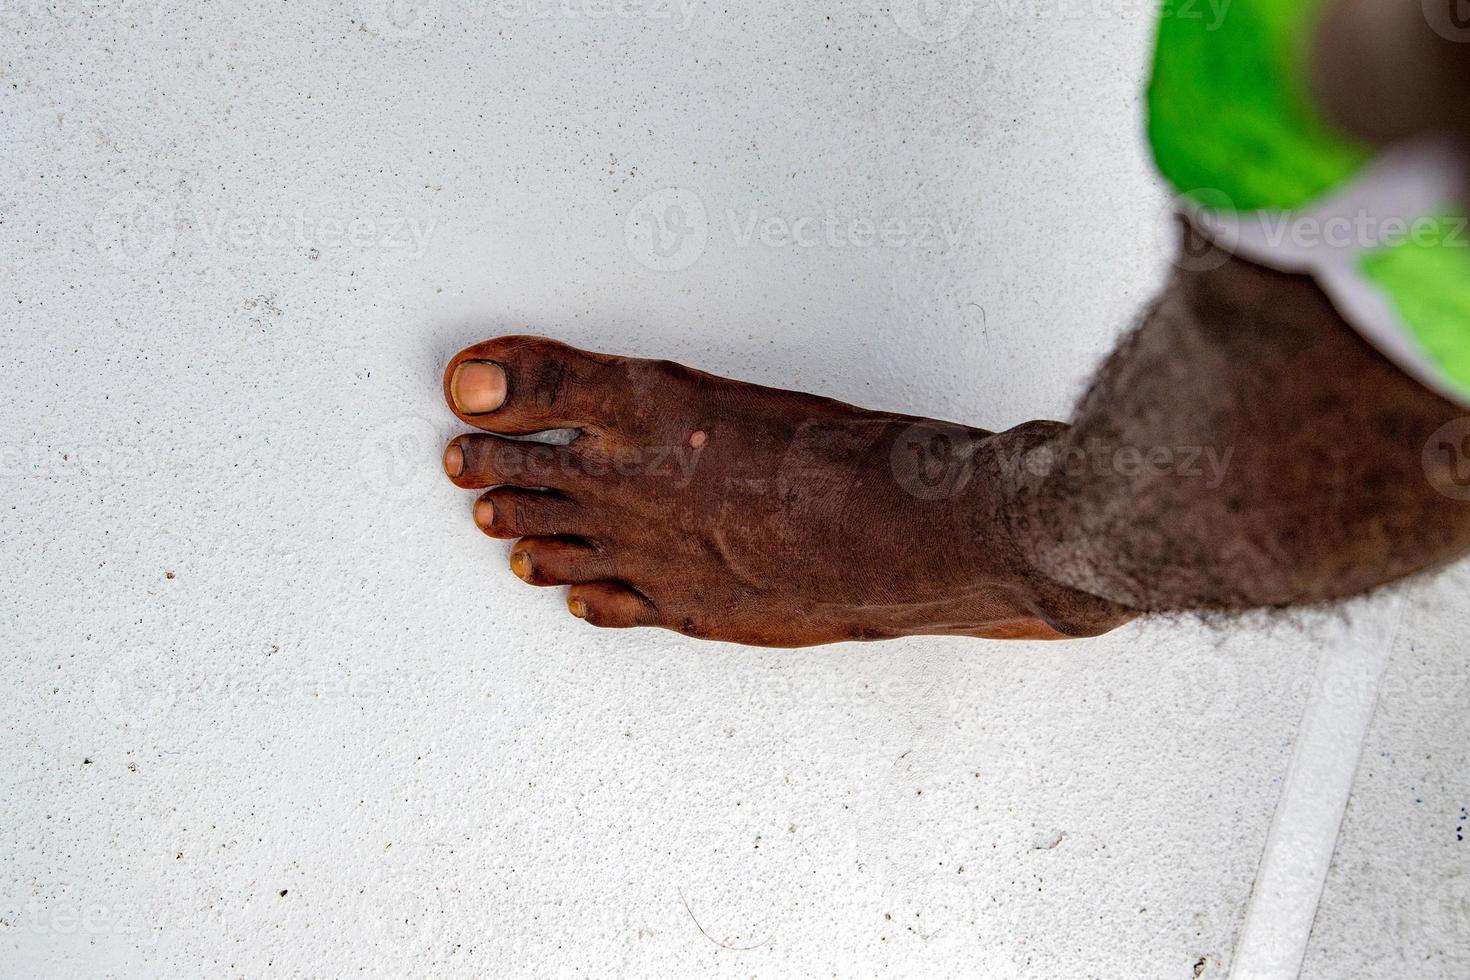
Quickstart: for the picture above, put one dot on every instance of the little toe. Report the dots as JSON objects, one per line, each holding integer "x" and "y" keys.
{"x": 558, "y": 561}
{"x": 519, "y": 385}
{"x": 610, "y": 604}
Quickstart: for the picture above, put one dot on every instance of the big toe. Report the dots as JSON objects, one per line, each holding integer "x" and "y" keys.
{"x": 477, "y": 387}
{"x": 517, "y": 385}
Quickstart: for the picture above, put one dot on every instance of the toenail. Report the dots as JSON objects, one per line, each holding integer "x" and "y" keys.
{"x": 453, "y": 460}
{"x": 520, "y": 563}
{"x": 484, "y": 513}
{"x": 698, "y": 439}
{"x": 478, "y": 387}
{"x": 577, "y": 607}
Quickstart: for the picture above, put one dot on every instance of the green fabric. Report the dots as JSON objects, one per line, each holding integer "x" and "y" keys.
{"x": 1228, "y": 107}
{"x": 1426, "y": 277}
{"x": 1233, "y": 126}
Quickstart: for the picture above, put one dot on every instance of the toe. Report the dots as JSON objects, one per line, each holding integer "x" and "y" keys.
{"x": 514, "y": 513}
{"x": 477, "y": 387}
{"x": 610, "y": 604}
{"x": 517, "y": 385}
{"x": 558, "y": 561}
{"x": 475, "y": 461}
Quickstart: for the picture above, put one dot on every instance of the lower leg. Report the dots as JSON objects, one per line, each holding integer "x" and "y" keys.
{"x": 1324, "y": 493}
{"x": 1255, "y": 452}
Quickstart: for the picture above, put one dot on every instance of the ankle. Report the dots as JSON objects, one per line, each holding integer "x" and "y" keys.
{"x": 1056, "y": 581}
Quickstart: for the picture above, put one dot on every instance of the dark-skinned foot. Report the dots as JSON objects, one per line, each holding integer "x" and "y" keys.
{"x": 742, "y": 513}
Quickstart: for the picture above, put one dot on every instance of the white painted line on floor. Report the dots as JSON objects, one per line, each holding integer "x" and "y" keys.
{"x": 1314, "y": 795}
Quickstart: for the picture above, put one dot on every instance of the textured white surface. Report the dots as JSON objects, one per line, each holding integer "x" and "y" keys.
{"x": 1397, "y": 902}
{"x": 1289, "y": 882}
{"x": 254, "y": 646}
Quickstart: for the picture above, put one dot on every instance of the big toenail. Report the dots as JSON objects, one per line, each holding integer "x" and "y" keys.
{"x": 453, "y": 460}
{"x": 577, "y": 607}
{"x": 520, "y": 563}
{"x": 478, "y": 387}
{"x": 484, "y": 513}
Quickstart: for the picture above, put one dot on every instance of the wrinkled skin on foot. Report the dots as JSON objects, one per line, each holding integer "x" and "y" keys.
{"x": 736, "y": 512}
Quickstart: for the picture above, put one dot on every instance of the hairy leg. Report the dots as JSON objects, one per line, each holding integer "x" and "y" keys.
{"x": 1309, "y": 477}
{"x": 1243, "y": 447}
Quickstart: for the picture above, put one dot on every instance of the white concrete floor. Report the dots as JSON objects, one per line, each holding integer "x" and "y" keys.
{"x": 1397, "y": 901}
{"x": 272, "y": 705}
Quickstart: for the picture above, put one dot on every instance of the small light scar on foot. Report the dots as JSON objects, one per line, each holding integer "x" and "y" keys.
{"x": 698, "y": 438}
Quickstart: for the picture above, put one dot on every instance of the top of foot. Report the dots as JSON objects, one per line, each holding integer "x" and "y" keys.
{"x": 738, "y": 512}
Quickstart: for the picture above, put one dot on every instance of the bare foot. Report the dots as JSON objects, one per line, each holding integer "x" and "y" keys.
{"x": 741, "y": 513}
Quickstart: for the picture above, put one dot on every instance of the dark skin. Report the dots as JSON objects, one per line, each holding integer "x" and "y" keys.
{"x": 749, "y": 514}
{"x": 1325, "y": 496}
{"x": 743, "y": 513}
{"x": 1389, "y": 69}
